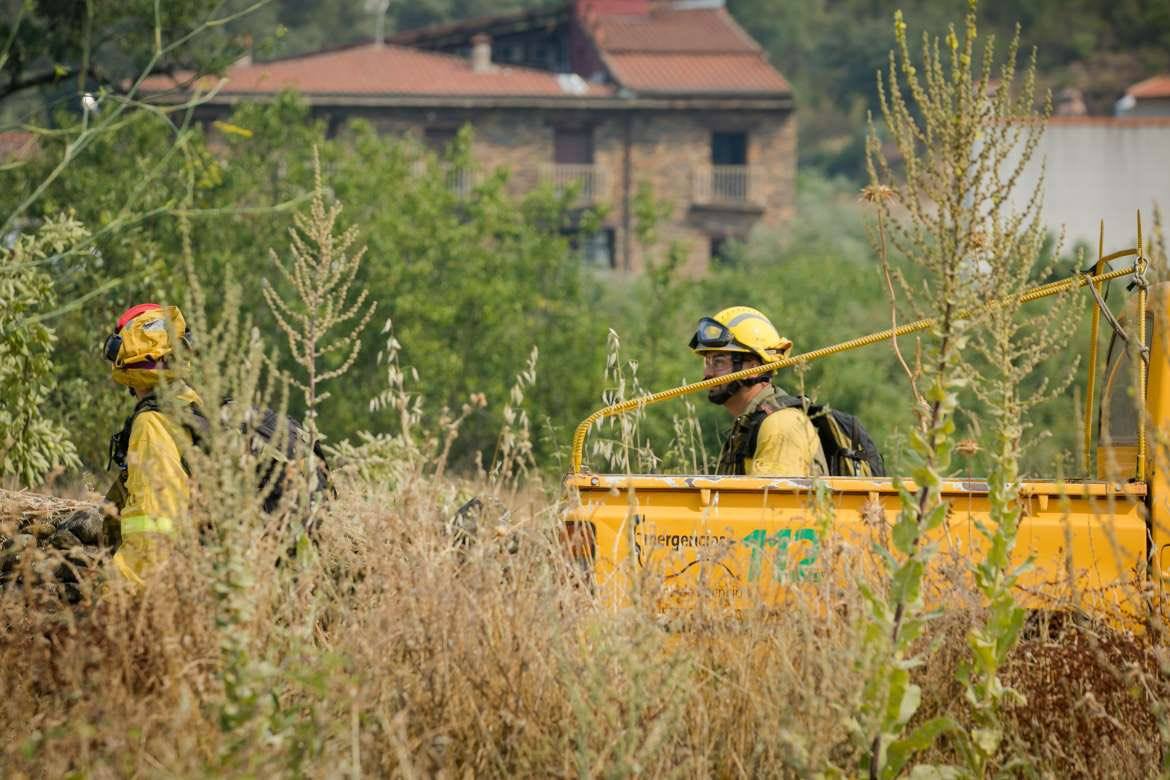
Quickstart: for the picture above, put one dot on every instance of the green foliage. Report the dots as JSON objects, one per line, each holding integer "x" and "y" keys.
{"x": 452, "y": 255}
{"x": 121, "y": 182}
{"x": 479, "y": 277}
{"x": 32, "y": 442}
{"x": 285, "y": 28}
{"x": 57, "y": 51}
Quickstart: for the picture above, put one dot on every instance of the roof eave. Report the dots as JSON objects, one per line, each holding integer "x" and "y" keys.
{"x": 642, "y": 101}
{"x": 712, "y": 94}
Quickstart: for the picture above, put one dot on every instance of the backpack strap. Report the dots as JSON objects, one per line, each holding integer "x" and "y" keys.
{"x": 835, "y": 443}
{"x": 848, "y": 448}
{"x": 755, "y": 422}
{"x": 120, "y": 441}
{"x": 741, "y": 441}
{"x": 790, "y": 401}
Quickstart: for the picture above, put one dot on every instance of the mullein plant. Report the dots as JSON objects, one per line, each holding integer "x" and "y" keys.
{"x": 315, "y": 308}
{"x": 271, "y": 691}
{"x": 941, "y": 205}
{"x": 1009, "y": 346}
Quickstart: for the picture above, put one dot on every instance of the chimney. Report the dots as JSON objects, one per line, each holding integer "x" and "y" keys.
{"x": 245, "y": 58}
{"x": 481, "y": 53}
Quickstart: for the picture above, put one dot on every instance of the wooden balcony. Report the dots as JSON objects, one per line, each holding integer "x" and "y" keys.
{"x": 726, "y": 185}
{"x": 589, "y": 180}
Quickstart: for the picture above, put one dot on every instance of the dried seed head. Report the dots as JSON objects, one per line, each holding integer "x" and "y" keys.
{"x": 967, "y": 447}
{"x": 876, "y": 193}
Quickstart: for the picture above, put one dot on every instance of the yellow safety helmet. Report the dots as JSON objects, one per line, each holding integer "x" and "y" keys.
{"x": 740, "y": 329}
{"x": 143, "y": 343}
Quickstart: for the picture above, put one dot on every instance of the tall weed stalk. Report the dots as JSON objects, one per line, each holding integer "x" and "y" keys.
{"x": 940, "y": 206}
{"x": 320, "y": 318}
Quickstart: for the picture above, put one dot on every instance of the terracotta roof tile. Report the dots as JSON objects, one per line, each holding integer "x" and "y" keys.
{"x": 17, "y": 145}
{"x": 690, "y": 31}
{"x": 687, "y": 73}
{"x": 684, "y": 51}
{"x": 385, "y": 70}
{"x": 1109, "y": 121}
{"x": 1155, "y": 87}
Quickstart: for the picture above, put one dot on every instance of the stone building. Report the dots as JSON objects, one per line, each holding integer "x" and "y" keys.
{"x": 606, "y": 95}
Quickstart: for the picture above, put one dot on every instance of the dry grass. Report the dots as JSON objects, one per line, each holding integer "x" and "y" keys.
{"x": 396, "y": 652}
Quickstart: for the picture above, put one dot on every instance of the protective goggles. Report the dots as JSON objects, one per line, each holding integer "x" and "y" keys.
{"x": 113, "y": 344}
{"x": 712, "y": 334}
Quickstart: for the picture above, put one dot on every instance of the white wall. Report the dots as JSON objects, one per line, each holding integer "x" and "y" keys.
{"x": 1102, "y": 168}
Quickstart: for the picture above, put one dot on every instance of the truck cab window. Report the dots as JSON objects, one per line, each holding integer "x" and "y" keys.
{"x": 1119, "y": 401}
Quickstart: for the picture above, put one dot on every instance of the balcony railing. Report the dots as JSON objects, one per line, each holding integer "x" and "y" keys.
{"x": 460, "y": 181}
{"x": 725, "y": 185}
{"x": 590, "y": 180}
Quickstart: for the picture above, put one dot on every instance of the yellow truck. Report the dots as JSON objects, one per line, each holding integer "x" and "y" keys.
{"x": 1097, "y": 545}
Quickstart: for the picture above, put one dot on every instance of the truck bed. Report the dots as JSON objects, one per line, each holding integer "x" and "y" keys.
{"x": 743, "y": 541}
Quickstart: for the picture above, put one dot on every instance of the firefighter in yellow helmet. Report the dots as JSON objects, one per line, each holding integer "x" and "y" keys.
{"x": 152, "y": 490}
{"x": 770, "y": 436}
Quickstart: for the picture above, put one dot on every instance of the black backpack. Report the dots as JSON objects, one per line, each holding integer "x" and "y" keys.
{"x": 262, "y": 426}
{"x": 849, "y": 449}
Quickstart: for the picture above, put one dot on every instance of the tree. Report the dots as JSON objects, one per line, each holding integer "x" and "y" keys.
{"x": 32, "y": 442}
{"x": 61, "y": 49}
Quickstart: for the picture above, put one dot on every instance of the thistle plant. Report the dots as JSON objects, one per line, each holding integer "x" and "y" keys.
{"x": 961, "y": 150}
{"x": 321, "y": 320}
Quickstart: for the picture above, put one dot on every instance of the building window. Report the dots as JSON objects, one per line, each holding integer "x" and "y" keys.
{"x": 722, "y": 251}
{"x": 439, "y": 139}
{"x": 573, "y": 146}
{"x": 729, "y": 174}
{"x": 729, "y": 148}
{"x": 596, "y": 250}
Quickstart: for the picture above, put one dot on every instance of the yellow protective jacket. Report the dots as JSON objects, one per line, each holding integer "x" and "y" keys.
{"x": 155, "y": 489}
{"x": 771, "y": 440}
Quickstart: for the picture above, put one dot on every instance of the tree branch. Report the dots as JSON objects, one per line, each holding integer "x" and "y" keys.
{"x": 46, "y": 78}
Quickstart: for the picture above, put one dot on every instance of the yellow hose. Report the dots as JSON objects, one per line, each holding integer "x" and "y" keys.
{"x": 1043, "y": 291}
{"x": 1140, "y": 270}
{"x": 1091, "y": 384}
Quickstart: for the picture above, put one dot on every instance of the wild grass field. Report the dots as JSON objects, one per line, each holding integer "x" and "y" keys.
{"x": 397, "y": 648}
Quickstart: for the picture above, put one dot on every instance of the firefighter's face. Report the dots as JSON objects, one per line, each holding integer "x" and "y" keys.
{"x": 720, "y": 363}
{"x": 716, "y": 364}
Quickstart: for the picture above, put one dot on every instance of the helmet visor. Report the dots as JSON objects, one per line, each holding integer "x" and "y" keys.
{"x": 712, "y": 334}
